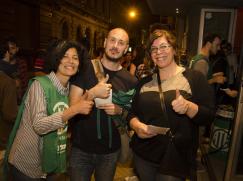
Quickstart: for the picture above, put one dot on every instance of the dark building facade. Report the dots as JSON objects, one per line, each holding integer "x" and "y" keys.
{"x": 35, "y": 22}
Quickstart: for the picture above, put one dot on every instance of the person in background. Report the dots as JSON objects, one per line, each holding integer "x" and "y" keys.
{"x": 201, "y": 62}
{"x": 231, "y": 59}
{"x": 143, "y": 66}
{"x": 39, "y": 62}
{"x": 224, "y": 93}
{"x": 167, "y": 110}
{"x": 127, "y": 63}
{"x": 5, "y": 59}
{"x": 157, "y": 27}
{"x": 126, "y": 60}
{"x": 95, "y": 138}
{"x": 19, "y": 64}
{"x": 98, "y": 53}
{"x": 37, "y": 145}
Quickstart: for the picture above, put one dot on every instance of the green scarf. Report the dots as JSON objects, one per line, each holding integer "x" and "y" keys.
{"x": 122, "y": 99}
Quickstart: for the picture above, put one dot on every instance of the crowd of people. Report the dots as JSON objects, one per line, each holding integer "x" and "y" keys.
{"x": 70, "y": 93}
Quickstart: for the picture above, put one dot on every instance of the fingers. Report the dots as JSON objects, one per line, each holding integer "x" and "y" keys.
{"x": 84, "y": 96}
{"x": 179, "y": 104}
{"x": 102, "y": 89}
{"x": 144, "y": 132}
{"x": 85, "y": 106}
{"x": 110, "y": 109}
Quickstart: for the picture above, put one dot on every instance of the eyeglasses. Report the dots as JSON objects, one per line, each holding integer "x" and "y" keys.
{"x": 162, "y": 47}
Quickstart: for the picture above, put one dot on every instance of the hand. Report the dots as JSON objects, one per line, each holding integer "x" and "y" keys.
{"x": 141, "y": 129}
{"x": 180, "y": 105}
{"x": 140, "y": 67}
{"x": 140, "y": 70}
{"x": 231, "y": 93}
{"x": 102, "y": 89}
{"x": 84, "y": 105}
{"x": 220, "y": 79}
{"x": 111, "y": 109}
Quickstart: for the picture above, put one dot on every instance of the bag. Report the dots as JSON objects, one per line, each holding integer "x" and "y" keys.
{"x": 174, "y": 155}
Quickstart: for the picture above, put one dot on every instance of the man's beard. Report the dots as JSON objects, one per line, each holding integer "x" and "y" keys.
{"x": 112, "y": 59}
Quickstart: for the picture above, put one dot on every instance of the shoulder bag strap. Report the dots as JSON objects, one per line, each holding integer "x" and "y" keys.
{"x": 163, "y": 106}
{"x": 98, "y": 69}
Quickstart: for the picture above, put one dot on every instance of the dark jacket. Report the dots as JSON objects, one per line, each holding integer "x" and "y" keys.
{"x": 8, "y": 107}
{"x": 176, "y": 157}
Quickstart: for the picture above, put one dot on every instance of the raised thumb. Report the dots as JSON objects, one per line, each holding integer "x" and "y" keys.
{"x": 105, "y": 79}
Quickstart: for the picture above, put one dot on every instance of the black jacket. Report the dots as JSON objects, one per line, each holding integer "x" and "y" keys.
{"x": 175, "y": 157}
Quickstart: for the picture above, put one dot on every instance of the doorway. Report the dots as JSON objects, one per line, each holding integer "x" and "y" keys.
{"x": 219, "y": 21}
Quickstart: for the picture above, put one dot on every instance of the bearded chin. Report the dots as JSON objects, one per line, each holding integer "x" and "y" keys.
{"x": 112, "y": 59}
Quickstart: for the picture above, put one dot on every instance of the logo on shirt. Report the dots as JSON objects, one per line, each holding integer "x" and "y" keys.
{"x": 59, "y": 107}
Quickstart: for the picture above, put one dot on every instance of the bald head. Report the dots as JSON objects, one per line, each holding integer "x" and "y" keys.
{"x": 121, "y": 32}
{"x": 116, "y": 44}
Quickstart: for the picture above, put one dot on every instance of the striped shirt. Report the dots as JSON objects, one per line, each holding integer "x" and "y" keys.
{"x": 26, "y": 150}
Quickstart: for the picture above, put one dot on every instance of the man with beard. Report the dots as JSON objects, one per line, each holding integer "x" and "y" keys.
{"x": 201, "y": 62}
{"x": 95, "y": 138}
{"x": 15, "y": 66}
{"x": 8, "y": 100}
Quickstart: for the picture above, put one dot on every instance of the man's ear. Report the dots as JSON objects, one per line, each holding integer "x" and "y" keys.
{"x": 105, "y": 42}
{"x": 125, "y": 51}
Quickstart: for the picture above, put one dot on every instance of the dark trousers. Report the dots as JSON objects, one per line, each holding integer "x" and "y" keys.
{"x": 17, "y": 175}
{"x": 148, "y": 171}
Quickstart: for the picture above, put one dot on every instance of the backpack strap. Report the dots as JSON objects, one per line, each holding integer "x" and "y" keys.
{"x": 98, "y": 69}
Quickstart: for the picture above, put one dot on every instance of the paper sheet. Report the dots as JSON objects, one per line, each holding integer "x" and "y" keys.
{"x": 99, "y": 101}
{"x": 158, "y": 129}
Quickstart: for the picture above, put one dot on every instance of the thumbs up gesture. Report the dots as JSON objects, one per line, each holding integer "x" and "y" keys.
{"x": 84, "y": 105}
{"x": 179, "y": 104}
{"x": 102, "y": 89}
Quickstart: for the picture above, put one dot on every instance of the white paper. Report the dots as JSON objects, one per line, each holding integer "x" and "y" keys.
{"x": 226, "y": 89}
{"x": 99, "y": 101}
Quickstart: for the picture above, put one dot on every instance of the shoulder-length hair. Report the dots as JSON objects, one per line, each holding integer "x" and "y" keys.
{"x": 57, "y": 52}
{"x": 169, "y": 36}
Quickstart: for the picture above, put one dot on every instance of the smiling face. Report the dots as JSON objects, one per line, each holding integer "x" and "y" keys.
{"x": 162, "y": 53}
{"x": 116, "y": 44}
{"x": 69, "y": 63}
